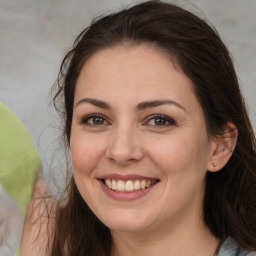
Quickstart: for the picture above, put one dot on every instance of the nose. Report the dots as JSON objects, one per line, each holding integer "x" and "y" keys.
{"x": 124, "y": 147}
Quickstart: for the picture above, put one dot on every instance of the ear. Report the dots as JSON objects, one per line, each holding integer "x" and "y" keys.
{"x": 223, "y": 146}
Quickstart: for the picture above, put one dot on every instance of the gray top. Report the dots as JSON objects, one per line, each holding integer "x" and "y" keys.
{"x": 231, "y": 248}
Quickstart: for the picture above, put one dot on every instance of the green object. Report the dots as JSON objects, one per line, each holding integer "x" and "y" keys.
{"x": 19, "y": 159}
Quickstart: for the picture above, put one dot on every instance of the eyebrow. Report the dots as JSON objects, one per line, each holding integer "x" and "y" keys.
{"x": 156, "y": 103}
{"x": 97, "y": 103}
{"x": 140, "y": 106}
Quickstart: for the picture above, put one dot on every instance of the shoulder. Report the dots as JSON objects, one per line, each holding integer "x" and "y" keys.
{"x": 231, "y": 248}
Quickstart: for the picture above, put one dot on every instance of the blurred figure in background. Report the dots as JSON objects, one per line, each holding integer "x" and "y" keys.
{"x": 19, "y": 164}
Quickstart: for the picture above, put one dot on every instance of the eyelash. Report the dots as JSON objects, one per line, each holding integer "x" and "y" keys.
{"x": 162, "y": 118}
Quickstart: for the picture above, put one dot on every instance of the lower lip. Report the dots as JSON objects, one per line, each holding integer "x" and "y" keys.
{"x": 126, "y": 196}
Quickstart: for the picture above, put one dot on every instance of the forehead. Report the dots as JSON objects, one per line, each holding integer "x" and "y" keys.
{"x": 131, "y": 67}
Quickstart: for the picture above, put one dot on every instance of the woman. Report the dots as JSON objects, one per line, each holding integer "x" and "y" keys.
{"x": 162, "y": 149}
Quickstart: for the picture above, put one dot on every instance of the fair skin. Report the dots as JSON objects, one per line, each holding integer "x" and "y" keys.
{"x": 136, "y": 119}
{"x": 151, "y": 127}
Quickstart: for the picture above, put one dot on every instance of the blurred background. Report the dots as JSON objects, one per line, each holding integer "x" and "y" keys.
{"x": 35, "y": 35}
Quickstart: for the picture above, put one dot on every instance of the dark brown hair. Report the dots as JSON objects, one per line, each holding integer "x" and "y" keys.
{"x": 230, "y": 196}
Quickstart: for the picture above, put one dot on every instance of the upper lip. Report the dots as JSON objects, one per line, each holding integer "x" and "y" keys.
{"x": 126, "y": 177}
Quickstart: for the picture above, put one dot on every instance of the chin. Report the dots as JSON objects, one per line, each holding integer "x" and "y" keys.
{"x": 127, "y": 227}
{"x": 127, "y": 222}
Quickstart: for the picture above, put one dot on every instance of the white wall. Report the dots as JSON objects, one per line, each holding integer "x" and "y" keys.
{"x": 35, "y": 34}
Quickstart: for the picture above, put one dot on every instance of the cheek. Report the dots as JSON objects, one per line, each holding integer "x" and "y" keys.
{"x": 85, "y": 153}
{"x": 181, "y": 154}
{"x": 170, "y": 152}
{"x": 85, "y": 157}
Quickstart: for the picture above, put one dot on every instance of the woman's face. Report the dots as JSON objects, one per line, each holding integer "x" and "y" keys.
{"x": 139, "y": 145}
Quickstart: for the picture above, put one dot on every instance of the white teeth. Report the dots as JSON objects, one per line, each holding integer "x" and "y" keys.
{"x": 143, "y": 184}
{"x": 108, "y": 183}
{"x": 128, "y": 186}
{"x": 120, "y": 185}
{"x": 137, "y": 185}
{"x": 113, "y": 185}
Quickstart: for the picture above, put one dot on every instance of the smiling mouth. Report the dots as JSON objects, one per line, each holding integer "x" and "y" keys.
{"x": 129, "y": 185}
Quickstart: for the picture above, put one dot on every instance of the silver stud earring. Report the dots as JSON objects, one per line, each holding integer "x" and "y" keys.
{"x": 214, "y": 164}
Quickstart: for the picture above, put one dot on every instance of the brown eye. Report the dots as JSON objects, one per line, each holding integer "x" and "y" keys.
{"x": 160, "y": 120}
{"x": 94, "y": 120}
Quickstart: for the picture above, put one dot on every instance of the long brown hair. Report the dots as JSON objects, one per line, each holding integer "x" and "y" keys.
{"x": 230, "y": 196}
